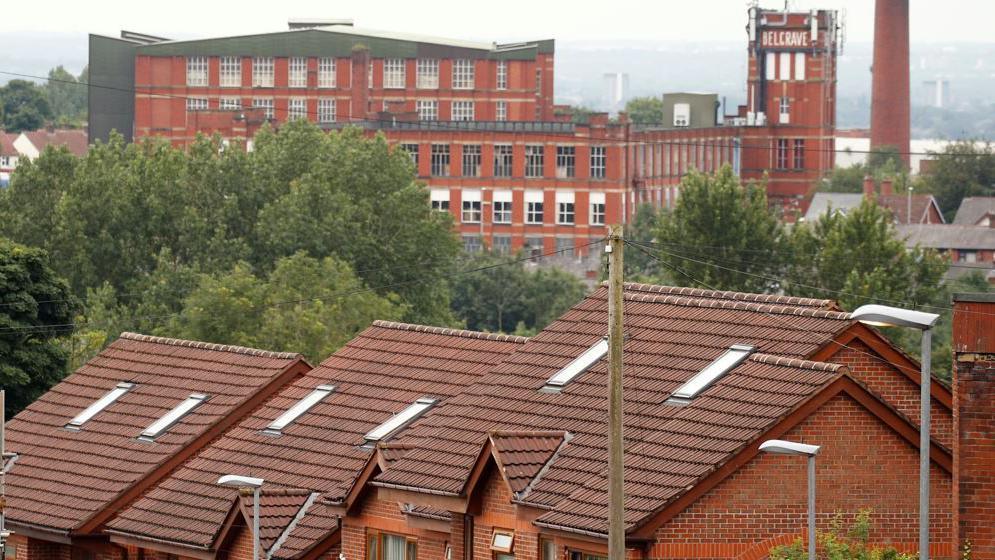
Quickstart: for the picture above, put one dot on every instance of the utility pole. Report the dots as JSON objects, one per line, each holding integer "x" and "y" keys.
{"x": 616, "y": 496}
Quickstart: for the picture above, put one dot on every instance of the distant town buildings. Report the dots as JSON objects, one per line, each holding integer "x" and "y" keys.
{"x": 30, "y": 144}
{"x": 616, "y": 91}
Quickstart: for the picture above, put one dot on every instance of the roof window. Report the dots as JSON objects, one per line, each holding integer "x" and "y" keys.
{"x": 712, "y": 373}
{"x": 103, "y": 402}
{"x": 302, "y": 406}
{"x": 400, "y": 420}
{"x": 577, "y": 367}
{"x": 160, "y": 426}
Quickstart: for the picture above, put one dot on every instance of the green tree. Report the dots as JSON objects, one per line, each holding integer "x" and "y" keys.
{"x": 645, "y": 110}
{"x": 640, "y": 265}
{"x": 962, "y": 169}
{"x": 29, "y": 205}
{"x": 66, "y": 96}
{"x": 305, "y": 305}
{"x": 721, "y": 233}
{"x": 36, "y": 307}
{"x": 25, "y": 106}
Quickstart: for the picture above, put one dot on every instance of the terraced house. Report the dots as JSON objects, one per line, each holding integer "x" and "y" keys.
{"x": 424, "y": 443}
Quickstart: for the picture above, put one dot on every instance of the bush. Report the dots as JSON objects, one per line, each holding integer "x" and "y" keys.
{"x": 835, "y": 545}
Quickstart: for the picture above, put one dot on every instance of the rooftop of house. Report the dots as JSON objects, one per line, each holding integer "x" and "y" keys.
{"x": 973, "y": 209}
{"x": 75, "y": 140}
{"x": 107, "y": 426}
{"x": 898, "y": 204}
{"x": 948, "y": 236}
{"x": 7, "y": 144}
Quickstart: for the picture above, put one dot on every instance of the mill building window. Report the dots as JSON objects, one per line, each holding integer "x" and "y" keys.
{"x": 297, "y": 72}
{"x": 427, "y": 73}
{"x": 196, "y": 71}
{"x": 428, "y": 110}
{"x": 471, "y": 206}
{"x": 266, "y": 104}
{"x": 412, "y": 150}
{"x": 326, "y": 110}
{"x": 462, "y": 74}
{"x": 782, "y": 153}
{"x": 229, "y": 103}
{"x": 502, "y": 74}
{"x": 502, "y": 207}
{"x": 462, "y": 110}
{"x": 196, "y": 104}
{"x": 326, "y": 72}
{"x": 230, "y": 71}
{"x": 533, "y": 160}
{"x": 799, "y": 153}
{"x": 598, "y": 160}
{"x": 393, "y": 73}
{"x": 597, "y": 200}
{"x": 471, "y": 160}
{"x": 565, "y": 208}
{"x": 501, "y": 111}
{"x": 565, "y": 157}
{"x": 503, "y": 159}
{"x": 296, "y": 108}
{"x": 440, "y": 199}
{"x": 533, "y": 207}
{"x": 440, "y": 160}
{"x": 262, "y": 71}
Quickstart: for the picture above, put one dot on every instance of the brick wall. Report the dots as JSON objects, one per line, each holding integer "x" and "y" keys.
{"x": 863, "y": 464}
{"x": 386, "y": 516}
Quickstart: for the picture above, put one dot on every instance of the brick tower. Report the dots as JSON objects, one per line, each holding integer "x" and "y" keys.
{"x": 890, "y": 77}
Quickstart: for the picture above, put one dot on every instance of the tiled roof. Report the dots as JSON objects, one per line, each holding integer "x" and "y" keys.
{"x": 62, "y": 478}
{"x": 75, "y": 140}
{"x": 316, "y": 523}
{"x": 7, "y": 144}
{"x": 947, "y": 236}
{"x": 669, "y": 339}
{"x": 377, "y": 374}
{"x": 699, "y": 293}
{"x": 276, "y": 511}
{"x": 523, "y": 454}
{"x": 899, "y": 206}
{"x": 973, "y": 208}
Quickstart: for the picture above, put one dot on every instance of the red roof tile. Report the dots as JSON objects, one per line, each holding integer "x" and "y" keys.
{"x": 63, "y": 478}
{"x": 76, "y": 141}
{"x": 521, "y": 455}
{"x": 377, "y": 374}
{"x": 898, "y": 204}
{"x": 277, "y": 509}
{"x": 317, "y": 522}
{"x": 7, "y": 144}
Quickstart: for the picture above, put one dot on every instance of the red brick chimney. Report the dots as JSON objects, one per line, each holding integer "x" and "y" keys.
{"x": 887, "y": 187}
{"x": 359, "y": 85}
{"x": 974, "y": 424}
{"x": 890, "y": 112}
{"x": 869, "y": 193}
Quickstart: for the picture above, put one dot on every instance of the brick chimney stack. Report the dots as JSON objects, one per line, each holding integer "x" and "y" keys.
{"x": 359, "y": 84}
{"x": 869, "y": 193}
{"x": 890, "y": 113}
{"x": 887, "y": 187}
{"x": 974, "y": 424}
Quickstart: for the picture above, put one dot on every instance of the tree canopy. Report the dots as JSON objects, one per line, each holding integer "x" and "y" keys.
{"x": 962, "y": 169}
{"x": 645, "y": 110}
{"x": 23, "y": 106}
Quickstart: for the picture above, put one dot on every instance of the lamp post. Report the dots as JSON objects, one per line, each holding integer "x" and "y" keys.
{"x": 884, "y": 316}
{"x": 782, "y": 447}
{"x": 247, "y": 483}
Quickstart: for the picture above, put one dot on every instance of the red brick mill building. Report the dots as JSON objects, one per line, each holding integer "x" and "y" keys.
{"x": 423, "y": 443}
{"x": 489, "y": 141}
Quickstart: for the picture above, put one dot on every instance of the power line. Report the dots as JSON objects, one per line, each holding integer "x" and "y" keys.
{"x": 330, "y": 296}
{"x": 448, "y": 126}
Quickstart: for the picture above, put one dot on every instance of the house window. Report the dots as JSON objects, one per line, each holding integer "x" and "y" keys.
{"x": 503, "y": 540}
{"x": 502, "y": 207}
{"x": 326, "y": 72}
{"x": 533, "y": 161}
{"x": 297, "y": 72}
{"x": 533, "y": 207}
{"x": 471, "y": 206}
{"x": 577, "y": 555}
{"x": 472, "y": 244}
{"x": 967, "y": 256}
{"x": 262, "y": 71}
{"x": 440, "y": 199}
{"x": 784, "y": 67}
{"x": 385, "y": 546}
{"x": 782, "y": 153}
{"x": 296, "y": 108}
{"x": 462, "y": 74}
{"x": 799, "y": 66}
{"x": 597, "y": 208}
{"x": 265, "y": 103}
{"x": 533, "y": 246}
{"x": 598, "y": 160}
{"x": 548, "y": 548}
{"x": 502, "y": 160}
{"x": 471, "y": 160}
{"x": 427, "y": 110}
{"x": 229, "y": 103}
{"x": 502, "y": 74}
{"x": 770, "y": 70}
{"x": 440, "y": 160}
{"x": 393, "y": 73}
{"x": 196, "y": 104}
{"x": 799, "y": 153}
{"x": 501, "y": 244}
{"x": 785, "y": 110}
{"x": 565, "y": 161}
{"x": 462, "y": 110}
{"x": 427, "y": 73}
{"x": 326, "y": 110}
{"x": 231, "y": 71}
{"x": 565, "y": 208}
{"x": 412, "y": 150}
{"x": 196, "y": 70}
{"x": 565, "y": 246}
{"x": 501, "y": 111}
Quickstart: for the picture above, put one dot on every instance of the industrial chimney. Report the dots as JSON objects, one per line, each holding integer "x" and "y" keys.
{"x": 890, "y": 113}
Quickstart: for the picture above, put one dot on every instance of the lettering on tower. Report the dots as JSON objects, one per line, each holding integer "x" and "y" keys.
{"x": 783, "y": 38}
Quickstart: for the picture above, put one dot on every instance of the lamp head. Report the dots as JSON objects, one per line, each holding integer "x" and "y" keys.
{"x": 885, "y": 316}
{"x": 240, "y": 481}
{"x": 783, "y": 447}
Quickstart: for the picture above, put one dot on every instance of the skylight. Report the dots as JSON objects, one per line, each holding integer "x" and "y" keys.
{"x": 578, "y": 366}
{"x": 712, "y": 373}
{"x": 160, "y": 426}
{"x": 302, "y": 406}
{"x": 103, "y": 402}
{"x": 399, "y": 420}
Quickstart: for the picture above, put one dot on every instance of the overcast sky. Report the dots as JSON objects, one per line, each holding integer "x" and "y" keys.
{"x": 501, "y": 20}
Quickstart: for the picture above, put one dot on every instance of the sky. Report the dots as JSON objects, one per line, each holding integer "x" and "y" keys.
{"x": 504, "y": 20}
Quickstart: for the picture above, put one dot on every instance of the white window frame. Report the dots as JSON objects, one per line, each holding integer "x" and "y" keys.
{"x": 296, "y": 108}
{"x": 599, "y": 162}
{"x": 400, "y": 420}
{"x": 566, "y": 162}
{"x": 427, "y": 109}
{"x": 501, "y": 80}
{"x": 463, "y": 73}
{"x": 799, "y": 66}
{"x": 566, "y": 209}
{"x": 462, "y": 110}
{"x": 501, "y": 168}
{"x": 472, "y": 155}
{"x": 502, "y": 207}
{"x": 196, "y": 104}
{"x": 784, "y": 110}
{"x": 262, "y": 71}
{"x": 597, "y": 203}
{"x": 394, "y": 73}
{"x": 229, "y": 103}
{"x": 500, "y": 110}
{"x": 440, "y": 152}
{"x": 784, "y": 67}
{"x": 99, "y": 405}
{"x": 265, "y": 103}
{"x": 427, "y": 73}
{"x": 326, "y": 72}
{"x": 770, "y": 66}
{"x": 196, "y": 71}
{"x": 472, "y": 207}
{"x": 297, "y": 72}
{"x": 177, "y": 413}
{"x": 577, "y": 366}
{"x": 230, "y": 71}
{"x": 277, "y": 426}
{"x": 439, "y": 199}
{"x": 535, "y": 160}
{"x": 326, "y": 110}
{"x": 534, "y": 207}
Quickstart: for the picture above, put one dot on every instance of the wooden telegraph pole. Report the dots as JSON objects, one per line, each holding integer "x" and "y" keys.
{"x": 616, "y": 526}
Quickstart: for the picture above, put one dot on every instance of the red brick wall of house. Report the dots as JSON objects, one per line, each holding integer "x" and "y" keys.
{"x": 28, "y": 548}
{"x": 386, "y": 516}
{"x": 894, "y": 387}
{"x": 863, "y": 464}
{"x": 497, "y": 512}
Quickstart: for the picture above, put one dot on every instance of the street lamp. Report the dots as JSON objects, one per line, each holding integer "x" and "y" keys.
{"x": 244, "y": 483}
{"x": 884, "y": 316}
{"x": 782, "y": 447}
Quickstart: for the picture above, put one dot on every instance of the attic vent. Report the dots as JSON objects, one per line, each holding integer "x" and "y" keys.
{"x": 399, "y": 421}
{"x": 102, "y": 403}
{"x": 712, "y": 373}
{"x": 160, "y": 426}
{"x": 577, "y": 367}
{"x": 302, "y": 406}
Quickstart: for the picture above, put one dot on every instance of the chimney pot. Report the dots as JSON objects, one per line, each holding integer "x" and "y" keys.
{"x": 887, "y": 187}
{"x": 869, "y": 187}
